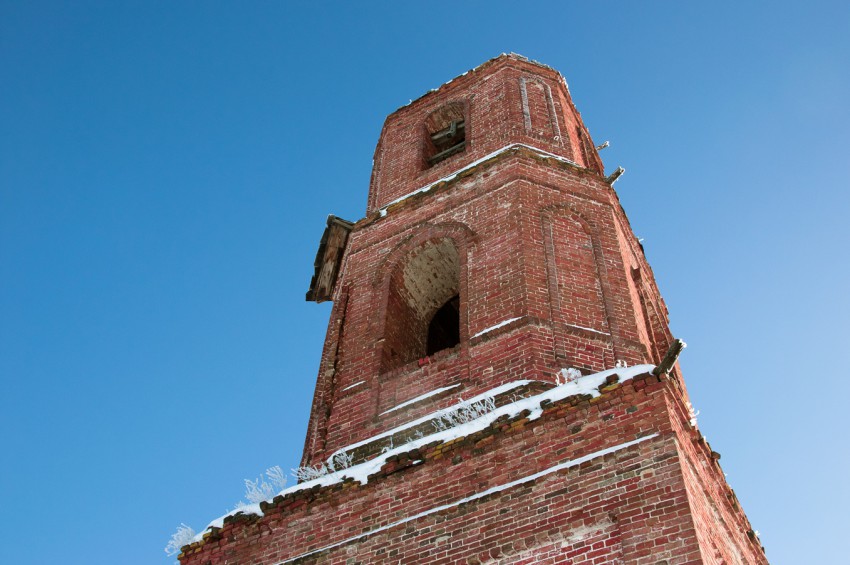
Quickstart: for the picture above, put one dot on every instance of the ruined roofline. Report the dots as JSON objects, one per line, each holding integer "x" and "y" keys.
{"x": 503, "y": 421}
{"x": 572, "y": 394}
{"x": 479, "y": 68}
{"x": 479, "y": 495}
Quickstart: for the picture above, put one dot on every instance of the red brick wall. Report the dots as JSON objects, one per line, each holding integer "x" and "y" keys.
{"x": 635, "y": 505}
{"x": 721, "y": 525}
{"x": 541, "y": 241}
{"x": 537, "y": 240}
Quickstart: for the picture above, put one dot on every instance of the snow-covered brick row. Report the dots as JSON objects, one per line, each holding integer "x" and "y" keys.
{"x": 530, "y": 408}
{"x": 420, "y": 398}
{"x": 454, "y": 464}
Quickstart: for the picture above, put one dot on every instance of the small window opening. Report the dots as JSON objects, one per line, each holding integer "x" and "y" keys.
{"x": 445, "y": 132}
{"x": 444, "y": 329}
{"x": 448, "y": 141}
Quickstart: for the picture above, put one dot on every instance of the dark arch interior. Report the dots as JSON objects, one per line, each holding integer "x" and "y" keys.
{"x": 444, "y": 328}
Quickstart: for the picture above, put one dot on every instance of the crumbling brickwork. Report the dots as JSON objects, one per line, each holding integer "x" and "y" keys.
{"x": 489, "y": 191}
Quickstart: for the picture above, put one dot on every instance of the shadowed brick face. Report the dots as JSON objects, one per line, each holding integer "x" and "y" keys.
{"x": 519, "y": 224}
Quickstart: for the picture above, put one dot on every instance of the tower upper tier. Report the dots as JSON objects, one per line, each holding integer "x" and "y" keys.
{"x": 494, "y": 251}
{"x": 506, "y": 101}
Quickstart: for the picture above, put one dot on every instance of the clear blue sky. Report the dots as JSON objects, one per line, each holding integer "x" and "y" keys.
{"x": 165, "y": 173}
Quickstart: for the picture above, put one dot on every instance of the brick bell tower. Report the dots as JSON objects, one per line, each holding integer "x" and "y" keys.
{"x": 498, "y": 382}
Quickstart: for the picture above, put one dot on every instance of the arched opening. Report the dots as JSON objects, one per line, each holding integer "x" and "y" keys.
{"x": 423, "y": 306}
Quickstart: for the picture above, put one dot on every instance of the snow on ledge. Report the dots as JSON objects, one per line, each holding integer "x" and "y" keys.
{"x": 412, "y": 424}
{"x": 587, "y": 384}
{"x": 479, "y": 495}
{"x": 358, "y": 383}
{"x": 418, "y": 398}
{"x": 586, "y": 329}
{"x": 475, "y": 163}
{"x": 496, "y": 327}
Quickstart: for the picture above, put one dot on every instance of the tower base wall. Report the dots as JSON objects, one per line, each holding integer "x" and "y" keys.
{"x": 587, "y": 480}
